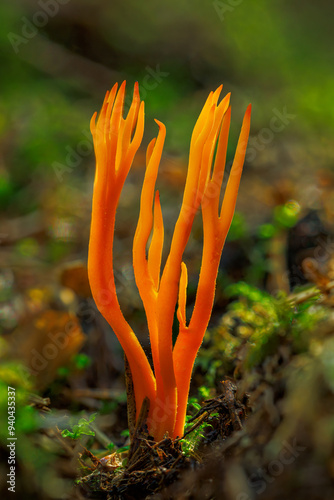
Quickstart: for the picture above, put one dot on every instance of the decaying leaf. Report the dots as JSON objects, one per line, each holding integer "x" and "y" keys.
{"x": 46, "y": 343}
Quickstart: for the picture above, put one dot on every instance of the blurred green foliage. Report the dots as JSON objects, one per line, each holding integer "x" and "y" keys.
{"x": 286, "y": 216}
{"x": 274, "y": 54}
{"x": 30, "y": 455}
{"x": 257, "y": 242}
{"x": 79, "y": 361}
{"x": 13, "y": 374}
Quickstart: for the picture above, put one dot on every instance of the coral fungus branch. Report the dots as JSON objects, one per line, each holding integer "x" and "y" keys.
{"x": 116, "y": 141}
{"x": 190, "y": 338}
{"x": 112, "y": 167}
